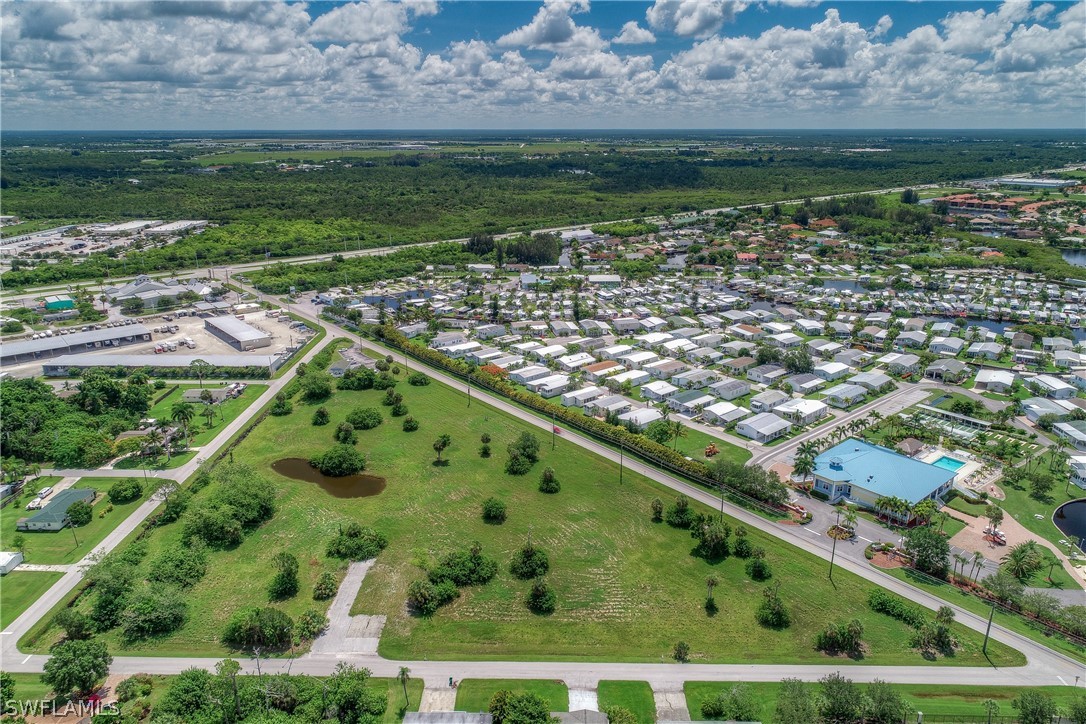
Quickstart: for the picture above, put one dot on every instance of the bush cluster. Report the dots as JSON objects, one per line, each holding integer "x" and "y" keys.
{"x": 893, "y": 606}
{"x": 339, "y": 460}
{"x": 529, "y": 562}
{"x": 125, "y": 491}
{"x": 264, "y": 627}
{"x": 365, "y": 418}
{"x": 356, "y": 543}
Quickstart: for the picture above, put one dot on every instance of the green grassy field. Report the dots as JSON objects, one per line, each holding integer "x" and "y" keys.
{"x": 1024, "y": 508}
{"x": 29, "y": 686}
{"x": 933, "y": 700}
{"x": 19, "y": 589}
{"x": 475, "y": 694}
{"x": 608, "y": 560}
{"x": 61, "y": 546}
{"x": 633, "y": 695}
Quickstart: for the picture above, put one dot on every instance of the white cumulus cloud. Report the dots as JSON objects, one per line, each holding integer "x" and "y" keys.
{"x": 634, "y": 34}
{"x": 552, "y": 28}
{"x": 693, "y": 18}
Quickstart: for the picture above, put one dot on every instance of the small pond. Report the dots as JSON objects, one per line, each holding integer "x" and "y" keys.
{"x": 348, "y": 486}
{"x": 1070, "y": 518}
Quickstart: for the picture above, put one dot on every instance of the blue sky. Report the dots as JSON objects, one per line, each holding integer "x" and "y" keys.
{"x": 251, "y": 64}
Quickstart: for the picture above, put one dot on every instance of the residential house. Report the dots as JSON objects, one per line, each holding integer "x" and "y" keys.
{"x": 1054, "y": 344}
{"x": 729, "y": 388}
{"x": 574, "y": 362}
{"x": 526, "y": 374}
{"x": 853, "y": 358}
{"x": 635, "y": 378}
{"x": 577, "y": 398}
{"x": 912, "y": 340}
{"x": 549, "y": 386}
{"x": 746, "y": 332}
{"x": 805, "y": 384}
{"x": 738, "y": 365}
{"x": 830, "y": 371}
{"x": 985, "y": 350}
{"x": 442, "y": 340}
{"x": 658, "y": 391}
{"x": 489, "y": 331}
{"x": 723, "y": 413}
{"x": 904, "y": 364}
{"x": 768, "y": 400}
{"x": 1052, "y": 387}
{"x": 1000, "y": 381}
{"x": 874, "y": 381}
{"x": 784, "y": 340}
{"x": 810, "y": 327}
{"x": 845, "y": 396}
{"x": 950, "y": 346}
{"x": 601, "y": 406}
{"x": 763, "y": 428}
{"x": 664, "y": 369}
{"x": 802, "y": 412}
{"x": 690, "y": 402}
{"x": 640, "y": 419}
{"x": 637, "y": 360}
{"x": 766, "y": 374}
{"x": 1073, "y": 431}
{"x": 602, "y": 370}
{"x": 947, "y": 370}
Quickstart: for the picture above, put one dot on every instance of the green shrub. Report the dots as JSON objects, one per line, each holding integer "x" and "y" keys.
{"x": 338, "y": 461}
{"x": 529, "y": 562}
{"x": 125, "y": 491}
{"x": 484, "y": 450}
{"x": 757, "y": 567}
{"x": 410, "y": 424}
{"x": 326, "y": 586}
{"x": 282, "y": 405}
{"x": 465, "y": 568}
{"x": 134, "y": 687}
{"x": 399, "y": 410}
{"x": 365, "y": 418}
{"x": 80, "y": 513}
{"x": 258, "y": 627}
{"x": 311, "y": 624}
{"x": 882, "y": 601}
{"x": 285, "y": 583}
{"x": 679, "y": 514}
{"x": 541, "y": 599}
{"x": 321, "y": 416}
{"x": 345, "y": 434}
{"x": 493, "y": 510}
{"x": 548, "y": 483}
{"x": 418, "y": 379}
{"x": 153, "y": 610}
{"x": 426, "y": 597}
{"x": 356, "y": 543}
{"x": 181, "y": 566}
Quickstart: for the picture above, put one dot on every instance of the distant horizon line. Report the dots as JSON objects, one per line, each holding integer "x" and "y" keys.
{"x": 525, "y": 131}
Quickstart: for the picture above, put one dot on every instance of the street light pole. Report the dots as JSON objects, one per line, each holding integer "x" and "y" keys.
{"x": 833, "y": 534}
{"x": 987, "y": 631}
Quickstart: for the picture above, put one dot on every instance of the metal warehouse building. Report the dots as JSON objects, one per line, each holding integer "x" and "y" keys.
{"x": 64, "y": 344}
{"x": 237, "y": 333}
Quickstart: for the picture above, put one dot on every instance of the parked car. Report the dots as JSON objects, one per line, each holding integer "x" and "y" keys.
{"x": 45, "y": 492}
{"x": 34, "y": 504}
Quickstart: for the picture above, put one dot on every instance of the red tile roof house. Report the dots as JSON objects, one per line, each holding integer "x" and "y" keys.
{"x": 746, "y": 256}
{"x": 822, "y": 224}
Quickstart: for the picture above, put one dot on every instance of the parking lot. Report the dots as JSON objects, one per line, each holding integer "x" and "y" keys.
{"x": 163, "y": 333}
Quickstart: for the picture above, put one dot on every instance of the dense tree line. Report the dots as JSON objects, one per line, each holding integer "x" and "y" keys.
{"x": 402, "y": 199}
{"x": 77, "y": 432}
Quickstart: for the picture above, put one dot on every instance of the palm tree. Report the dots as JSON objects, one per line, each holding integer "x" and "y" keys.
{"x": 404, "y": 676}
{"x": 807, "y": 449}
{"x": 182, "y": 413}
{"x": 850, "y": 518}
{"x": 154, "y": 442}
{"x": 209, "y": 413}
{"x": 711, "y": 582}
{"x": 960, "y": 560}
{"x": 677, "y": 430}
{"x": 978, "y": 563}
{"x": 804, "y": 466}
{"x": 165, "y": 430}
{"x": 1022, "y": 560}
{"x": 876, "y": 418}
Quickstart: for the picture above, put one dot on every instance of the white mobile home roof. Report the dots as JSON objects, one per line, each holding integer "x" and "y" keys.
{"x": 155, "y": 360}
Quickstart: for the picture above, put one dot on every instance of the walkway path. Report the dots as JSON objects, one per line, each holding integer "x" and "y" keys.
{"x": 347, "y": 634}
{"x": 44, "y": 568}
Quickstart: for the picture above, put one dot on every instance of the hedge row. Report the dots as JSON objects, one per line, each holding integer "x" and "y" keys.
{"x": 648, "y": 449}
{"x": 895, "y": 607}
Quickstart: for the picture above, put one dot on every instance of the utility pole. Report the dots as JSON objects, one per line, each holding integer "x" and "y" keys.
{"x": 987, "y": 631}
{"x": 833, "y": 551}
{"x": 721, "y": 486}
{"x": 469, "y": 392}
{"x": 554, "y": 430}
{"x": 72, "y": 526}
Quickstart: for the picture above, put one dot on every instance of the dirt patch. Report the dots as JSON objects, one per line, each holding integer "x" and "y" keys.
{"x": 883, "y": 559}
{"x": 788, "y": 521}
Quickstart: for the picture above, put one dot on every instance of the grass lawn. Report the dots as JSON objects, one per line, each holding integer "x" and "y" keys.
{"x": 627, "y": 588}
{"x": 29, "y": 687}
{"x": 693, "y": 445}
{"x": 475, "y": 694}
{"x": 633, "y": 695}
{"x": 934, "y": 700}
{"x": 133, "y": 462}
{"x": 19, "y": 589}
{"x": 225, "y": 413}
{"x": 1023, "y": 507}
{"x": 1010, "y": 621}
{"x": 60, "y": 546}
{"x": 396, "y": 704}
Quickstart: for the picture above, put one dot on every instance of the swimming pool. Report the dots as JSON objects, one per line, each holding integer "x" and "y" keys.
{"x": 948, "y": 463}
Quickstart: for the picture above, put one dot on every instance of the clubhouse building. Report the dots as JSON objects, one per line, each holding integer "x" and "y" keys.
{"x": 861, "y": 473}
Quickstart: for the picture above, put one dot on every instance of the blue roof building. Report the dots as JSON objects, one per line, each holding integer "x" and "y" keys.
{"x": 862, "y": 473}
